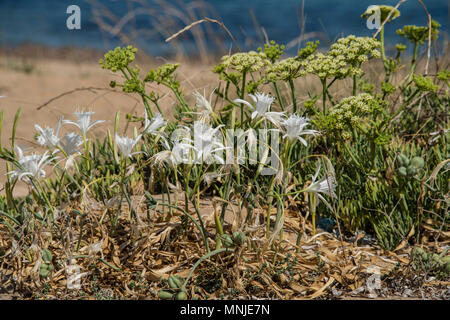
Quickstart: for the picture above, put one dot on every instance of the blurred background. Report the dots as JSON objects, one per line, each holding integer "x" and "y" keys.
{"x": 106, "y": 24}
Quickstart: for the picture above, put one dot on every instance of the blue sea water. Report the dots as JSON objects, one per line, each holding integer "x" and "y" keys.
{"x": 44, "y": 22}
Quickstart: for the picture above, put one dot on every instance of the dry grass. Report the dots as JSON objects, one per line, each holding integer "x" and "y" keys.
{"x": 134, "y": 263}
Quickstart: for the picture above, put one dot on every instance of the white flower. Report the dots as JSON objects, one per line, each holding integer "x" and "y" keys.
{"x": 165, "y": 156}
{"x": 206, "y": 142}
{"x": 326, "y": 185}
{"x": 262, "y": 107}
{"x": 126, "y": 145}
{"x": 30, "y": 166}
{"x": 47, "y": 137}
{"x": 295, "y": 128}
{"x": 152, "y": 126}
{"x": 181, "y": 152}
{"x": 202, "y": 103}
{"x": 70, "y": 143}
{"x": 205, "y": 106}
{"x": 84, "y": 121}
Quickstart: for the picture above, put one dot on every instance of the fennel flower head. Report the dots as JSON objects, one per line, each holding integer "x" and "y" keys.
{"x": 287, "y": 69}
{"x": 251, "y": 61}
{"x": 295, "y": 128}
{"x": 30, "y": 166}
{"x": 385, "y": 11}
{"x": 84, "y": 121}
{"x": 126, "y": 145}
{"x": 261, "y": 108}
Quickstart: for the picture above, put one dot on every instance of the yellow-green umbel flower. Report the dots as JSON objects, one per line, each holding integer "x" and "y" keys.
{"x": 244, "y": 62}
{"x": 384, "y": 12}
{"x": 162, "y": 73}
{"x": 344, "y": 59}
{"x": 118, "y": 58}
{"x": 417, "y": 34}
{"x": 356, "y": 50}
{"x": 350, "y": 113}
{"x": 287, "y": 69}
{"x": 424, "y": 83}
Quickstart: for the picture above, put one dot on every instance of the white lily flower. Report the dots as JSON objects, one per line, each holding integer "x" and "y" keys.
{"x": 152, "y": 126}
{"x": 126, "y": 145}
{"x": 84, "y": 121}
{"x": 206, "y": 142}
{"x": 70, "y": 143}
{"x": 205, "y": 106}
{"x": 295, "y": 128}
{"x": 30, "y": 166}
{"x": 47, "y": 137}
{"x": 326, "y": 185}
{"x": 262, "y": 107}
{"x": 202, "y": 103}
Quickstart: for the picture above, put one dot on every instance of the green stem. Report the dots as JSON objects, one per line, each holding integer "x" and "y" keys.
{"x": 242, "y": 97}
{"x": 413, "y": 62}
{"x": 324, "y": 96}
{"x": 383, "y": 52}
{"x": 269, "y": 206}
{"x": 280, "y": 99}
{"x": 313, "y": 211}
{"x": 294, "y": 99}
{"x": 207, "y": 256}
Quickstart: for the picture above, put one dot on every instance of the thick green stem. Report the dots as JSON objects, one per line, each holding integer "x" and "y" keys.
{"x": 312, "y": 207}
{"x": 324, "y": 96}
{"x": 242, "y": 96}
{"x": 383, "y": 52}
{"x": 294, "y": 99}
{"x": 269, "y": 206}
{"x": 413, "y": 62}
{"x": 280, "y": 99}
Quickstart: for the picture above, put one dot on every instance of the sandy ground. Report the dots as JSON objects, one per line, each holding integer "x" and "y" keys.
{"x": 30, "y": 82}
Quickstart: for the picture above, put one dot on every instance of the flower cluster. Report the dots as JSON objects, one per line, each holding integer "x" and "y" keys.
{"x": 162, "y": 73}
{"x": 355, "y": 49}
{"x": 133, "y": 85}
{"x": 287, "y": 69}
{"x": 30, "y": 166}
{"x": 424, "y": 84}
{"x": 326, "y": 66}
{"x": 443, "y": 75}
{"x": 350, "y": 113}
{"x": 272, "y": 50}
{"x": 310, "y": 48}
{"x": 243, "y": 62}
{"x": 118, "y": 58}
{"x": 344, "y": 58}
{"x": 388, "y": 88}
{"x": 384, "y": 12}
{"x": 417, "y": 34}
